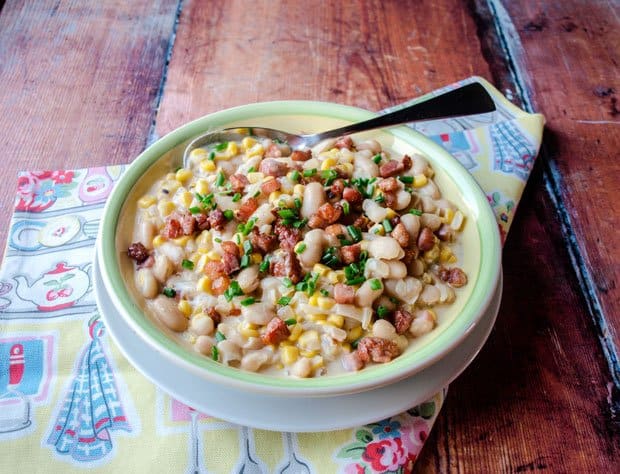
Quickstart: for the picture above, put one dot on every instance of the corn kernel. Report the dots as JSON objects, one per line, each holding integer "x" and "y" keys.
{"x": 146, "y": 201}
{"x": 202, "y": 187}
{"x": 445, "y": 254}
{"x": 274, "y": 196}
{"x": 346, "y": 347}
{"x": 181, "y": 241}
{"x": 255, "y": 177}
{"x": 419, "y": 180}
{"x": 390, "y": 213}
{"x": 186, "y": 199}
{"x": 446, "y": 215}
{"x": 185, "y": 307}
{"x": 314, "y": 299}
{"x": 256, "y": 150}
{"x": 295, "y": 332}
{"x": 171, "y": 176}
{"x": 197, "y": 154}
{"x": 289, "y": 354}
{"x": 204, "y": 239}
{"x": 213, "y": 255}
{"x": 247, "y": 143}
{"x": 204, "y": 284}
{"x": 183, "y": 175}
{"x": 316, "y": 317}
{"x": 232, "y": 149}
{"x": 248, "y": 330}
{"x": 340, "y": 276}
{"x": 346, "y": 168}
{"x": 165, "y": 207}
{"x": 309, "y": 340}
{"x": 457, "y": 221}
{"x": 452, "y": 259}
{"x": 299, "y": 189}
{"x": 171, "y": 186}
{"x": 328, "y": 164}
{"x": 308, "y": 354}
{"x": 431, "y": 255}
{"x": 332, "y": 276}
{"x": 377, "y": 229}
{"x": 354, "y": 333}
{"x": 207, "y": 166}
{"x": 321, "y": 269}
{"x": 158, "y": 240}
{"x": 317, "y": 363}
{"x": 326, "y": 303}
{"x": 336, "y": 320}
{"x": 256, "y": 258}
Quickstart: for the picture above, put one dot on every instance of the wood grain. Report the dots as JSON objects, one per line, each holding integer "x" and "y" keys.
{"x": 78, "y": 83}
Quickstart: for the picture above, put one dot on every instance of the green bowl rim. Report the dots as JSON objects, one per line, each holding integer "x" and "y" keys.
{"x": 450, "y": 337}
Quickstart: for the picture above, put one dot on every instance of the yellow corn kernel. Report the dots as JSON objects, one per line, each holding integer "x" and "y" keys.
{"x": 346, "y": 168}
{"x": 426, "y": 278}
{"x": 187, "y": 198}
{"x": 248, "y": 330}
{"x": 320, "y": 269}
{"x": 204, "y": 284}
{"x": 336, "y": 320}
{"x": 346, "y": 347}
{"x": 431, "y": 255}
{"x": 232, "y": 149}
{"x": 309, "y": 340}
{"x": 202, "y": 187}
{"x": 314, "y": 299}
{"x": 255, "y": 177}
{"x": 316, "y": 317}
{"x": 158, "y": 240}
{"x": 457, "y": 221}
{"x": 247, "y": 143}
{"x": 181, "y": 241}
{"x": 185, "y": 307}
{"x": 183, "y": 175}
{"x": 390, "y": 213}
{"x": 332, "y": 276}
{"x": 165, "y": 207}
{"x": 328, "y": 164}
{"x": 289, "y": 354}
{"x": 326, "y": 303}
{"x": 201, "y": 263}
{"x": 419, "y": 180}
{"x": 295, "y": 333}
{"x": 256, "y": 150}
{"x": 256, "y": 258}
{"x": 274, "y": 196}
{"x": 299, "y": 189}
{"x": 204, "y": 239}
{"x": 286, "y": 342}
{"x": 170, "y": 176}
{"x": 340, "y": 276}
{"x": 444, "y": 254}
{"x": 452, "y": 259}
{"x": 354, "y": 333}
{"x": 446, "y": 215}
{"x": 318, "y": 363}
{"x": 308, "y": 354}
{"x": 197, "y": 154}
{"x": 146, "y": 201}
{"x": 207, "y": 166}
{"x": 213, "y": 255}
{"x": 433, "y": 315}
{"x": 377, "y": 229}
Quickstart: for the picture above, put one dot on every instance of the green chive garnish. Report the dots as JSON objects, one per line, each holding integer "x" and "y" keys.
{"x": 300, "y": 248}
{"x": 290, "y": 322}
{"x": 406, "y": 179}
{"x": 194, "y": 209}
{"x": 345, "y": 207}
{"x": 375, "y": 284}
{"x": 236, "y": 197}
{"x": 219, "y": 336}
{"x": 387, "y": 225}
{"x": 376, "y": 159}
{"x": 284, "y": 300}
{"x": 310, "y": 172}
{"x": 294, "y": 176}
{"x": 415, "y": 212}
{"x": 215, "y": 354}
{"x": 220, "y": 179}
{"x": 229, "y": 214}
{"x": 187, "y": 264}
{"x": 169, "y": 292}
{"x": 382, "y": 311}
{"x": 248, "y": 301}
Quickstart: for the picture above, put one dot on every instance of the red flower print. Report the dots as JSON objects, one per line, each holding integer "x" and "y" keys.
{"x": 62, "y": 176}
{"x": 386, "y": 454}
{"x": 354, "y": 469}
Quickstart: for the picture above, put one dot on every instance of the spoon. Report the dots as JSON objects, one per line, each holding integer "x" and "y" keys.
{"x": 467, "y": 100}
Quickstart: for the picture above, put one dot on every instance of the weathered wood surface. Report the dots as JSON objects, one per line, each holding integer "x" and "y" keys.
{"x": 78, "y": 84}
{"x": 540, "y": 396}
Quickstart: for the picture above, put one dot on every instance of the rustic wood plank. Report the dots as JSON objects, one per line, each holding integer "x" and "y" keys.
{"x": 370, "y": 54}
{"x": 78, "y": 83}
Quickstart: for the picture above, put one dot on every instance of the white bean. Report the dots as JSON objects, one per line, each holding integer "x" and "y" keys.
{"x": 428, "y": 204}
{"x": 253, "y": 162}
{"x": 363, "y": 166}
{"x": 253, "y": 343}
{"x": 202, "y": 325}
{"x": 416, "y": 268}
{"x": 430, "y": 295}
{"x": 419, "y": 165}
{"x": 403, "y": 198}
{"x": 174, "y": 253}
{"x": 412, "y": 224}
{"x": 263, "y": 214}
{"x": 162, "y": 268}
{"x": 302, "y": 368}
{"x": 167, "y": 311}
{"x": 258, "y": 313}
{"x": 203, "y": 345}
{"x": 423, "y": 323}
{"x": 248, "y": 279}
{"x": 252, "y": 361}
{"x": 385, "y": 248}
{"x": 384, "y": 329}
{"x": 226, "y": 202}
{"x": 314, "y": 197}
{"x": 146, "y": 283}
{"x": 430, "y": 220}
{"x": 228, "y": 351}
{"x": 429, "y": 189}
{"x": 365, "y": 295}
{"x": 146, "y": 232}
{"x": 373, "y": 211}
{"x": 324, "y": 145}
{"x": 314, "y": 241}
{"x": 373, "y": 145}
{"x": 376, "y": 268}
{"x": 397, "y": 269}
{"x": 407, "y": 289}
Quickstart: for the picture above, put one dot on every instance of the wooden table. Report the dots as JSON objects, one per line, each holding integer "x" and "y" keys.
{"x": 85, "y": 83}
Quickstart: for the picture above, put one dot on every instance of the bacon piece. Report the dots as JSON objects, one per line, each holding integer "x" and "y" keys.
{"x": 285, "y": 264}
{"x": 270, "y": 186}
{"x": 352, "y": 196}
{"x": 230, "y": 247}
{"x": 391, "y": 168}
{"x": 401, "y": 235}
{"x": 453, "y": 276}
{"x": 214, "y": 269}
{"x": 138, "y": 252}
{"x": 275, "y": 332}
{"x": 238, "y": 182}
{"x": 216, "y": 219}
{"x": 362, "y": 223}
{"x": 344, "y": 294}
{"x": 426, "y": 239}
{"x": 214, "y": 315}
{"x": 231, "y": 263}
{"x": 202, "y": 221}
{"x": 344, "y": 142}
{"x": 288, "y": 236}
{"x": 352, "y": 362}
{"x": 336, "y": 230}
{"x": 247, "y": 209}
{"x": 327, "y": 214}
{"x": 350, "y": 253}
{"x": 273, "y": 151}
{"x": 402, "y": 320}
{"x": 272, "y": 167}
{"x": 172, "y": 229}
{"x": 335, "y": 190}
{"x": 388, "y": 185}
{"x": 407, "y": 162}
{"x": 220, "y": 285}
{"x": 377, "y": 349}
{"x": 411, "y": 253}
{"x": 301, "y": 155}
{"x": 148, "y": 263}
{"x": 263, "y": 243}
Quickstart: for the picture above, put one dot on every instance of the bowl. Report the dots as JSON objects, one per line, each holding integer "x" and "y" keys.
{"x": 481, "y": 260}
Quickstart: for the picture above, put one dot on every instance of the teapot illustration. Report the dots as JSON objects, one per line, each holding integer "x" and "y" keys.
{"x": 59, "y": 288}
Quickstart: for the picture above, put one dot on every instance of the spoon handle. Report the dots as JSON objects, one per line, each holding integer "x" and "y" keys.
{"x": 467, "y": 100}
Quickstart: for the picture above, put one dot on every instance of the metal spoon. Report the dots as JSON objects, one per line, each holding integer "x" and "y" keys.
{"x": 467, "y": 100}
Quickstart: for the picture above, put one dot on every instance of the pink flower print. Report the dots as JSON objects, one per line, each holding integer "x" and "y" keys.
{"x": 413, "y": 435}
{"x": 62, "y": 176}
{"x": 354, "y": 469}
{"x": 385, "y": 455}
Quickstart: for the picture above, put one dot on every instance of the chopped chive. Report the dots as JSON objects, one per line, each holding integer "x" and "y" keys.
{"x": 377, "y": 158}
{"x": 415, "y": 212}
{"x": 219, "y": 336}
{"x": 221, "y": 146}
{"x": 248, "y": 301}
{"x": 211, "y": 156}
{"x": 233, "y": 290}
{"x": 294, "y": 176}
{"x": 264, "y": 265}
{"x": 229, "y": 215}
{"x": 354, "y": 232}
{"x": 297, "y": 202}
{"x": 387, "y": 225}
{"x": 220, "y": 179}
{"x": 310, "y": 172}
{"x": 287, "y": 282}
{"x": 256, "y": 194}
{"x": 345, "y": 207}
{"x": 290, "y": 321}
{"x": 356, "y": 342}
{"x": 187, "y": 264}
{"x": 380, "y": 198}
{"x": 284, "y": 300}
{"x": 287, "y": 213}
{"x": 247, "y": 247}
{"x": 300, "y": 248}
{"x": 169, "y": 292}
{"x": 218, "y": 240}
{"x": 300, "y": 224}
{"x": 394, "y": 299}
{"x": 195, "y": 209}
{"x": 236, "y": 197}
{"x": 329, "y": 176}
{"x": 324, "y": 292}
{"x": 245, "y": 261}
{"x": 382, "y": 311}
{"x": 252, "y": 169}
{"x": 215, "y": 354}
{"x": 406, "y": 179}
{"x": 356, "y": 281}
{"x": 375, "y": 284}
